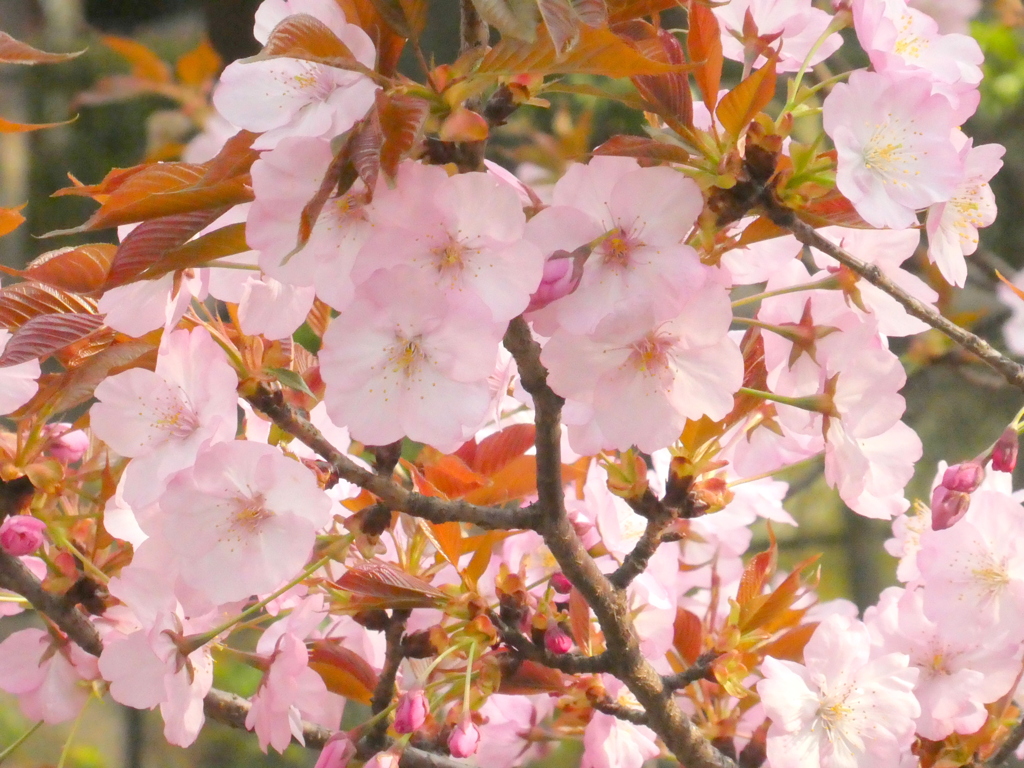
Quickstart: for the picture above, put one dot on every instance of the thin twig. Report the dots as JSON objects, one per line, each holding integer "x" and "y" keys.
{"x": 622, "y": 712}
{"x": 75, "y": 624}
{"x": 385, "y": 690}
{"x": 1012, "y": 371}
{"x": 1008, "y": 747}
{"x": 435, "y": 510}
{"x": 570, "y": 663}
{"x": 697, "y": 671}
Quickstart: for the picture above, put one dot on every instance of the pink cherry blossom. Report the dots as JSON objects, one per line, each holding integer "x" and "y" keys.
{"x": 974, "y": 572}
{"x": 413, "y": 367}
{"x": 292, "y": 97}
{"x": 50, "y": 679}
{"x": 462, "y": 233}
{"x": 636, "y": 219}
{"x": 609, "y": 742}
{"x": 21, "y": 534}
{"x": 507, "y": 724}
{"x": 953, "y": 225}
{"x": 796, "y": 24}
{"x": 950, "y": 15}
{"x": 841, "y": 708}
{"x": 337, "y": 752}
{"x": 667, "y": 367}
{"x": 244, "y": 517}
{"x": 962, "y": 668}
{"x": 290, "y": 692}
{"x": 161, "y": 418}
{"x": 412, "y": 711}
{"x": 892, "y": 137}
{"x": 67, "y": 445}
{"x": 464, "y": 739}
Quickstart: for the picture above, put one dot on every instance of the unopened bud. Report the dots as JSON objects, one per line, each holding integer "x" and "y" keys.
{"x": 412, "y": 711}
{"x": 387, "y": 759}
{"x": 964, "y": 477}
{"x": 66, "y": 446}
{"x": 464, "y": 739}
{"x": 336, "y": 753}
{"x": 556, "y": 640}
{"x": 1004, "y": 452}
{"x": 21, "y": 535}
{"x": 948, "y": 507}
{"x": 561, "y": 584}
{"x": 423, "y": 644}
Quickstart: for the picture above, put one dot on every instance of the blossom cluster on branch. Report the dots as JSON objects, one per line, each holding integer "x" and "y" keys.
{"x": 484, "y": 456}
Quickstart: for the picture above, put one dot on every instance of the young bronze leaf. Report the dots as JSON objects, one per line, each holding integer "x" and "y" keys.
{"x": 75, "y": 387}
{"x": 10, "y": 219}
{"x": 528, "y": 678}
{"x": 344, "y": 672}
{"x": 145, "y": 64}
{"x": 301, "y": 36}
{"x": 407, "y": 18}
{"x": 669, "y": 94}
{"x": 6, "y": 126}
{"x": 496, "y": 451}
{"x": 401, "y": 120}
{"x": 593, "y": 13}
{"x": 704, "y": 44}
{"x": 758, "y": 572}
{"x": 832, "y": 209}
{"x": 742, "y": 104}
{"x": 688, "y": 635}
{"x": 598, "y": 52}
{"x": 218, "y": 244}
{"x": 200, "y": 65}
{"x": 579, "y": 621}
{"x": 392, "y": 586}
{"x": 367, "y": 140}
{"x": 16, "y": 52}
{"x": 45, "y": 334}
{"x": 23, "y": 301}
{"x": 562, "y": 23}
{"x": 81, "y": 269}
{"x": 515, "y": 19}
{"x": 643, "y": 148}
{"x": 148, "y": 243}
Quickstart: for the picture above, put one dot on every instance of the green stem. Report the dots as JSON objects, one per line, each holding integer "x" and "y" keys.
{"x": 71, "y": 736}
{"x": 19, "y": 741}
{"x": 813, "y": 403}
{"x": 828, "y": 283}
{"x": 795, "y": 465}
{"x": 839, "y": 21}
{"x": 469, "y": 681}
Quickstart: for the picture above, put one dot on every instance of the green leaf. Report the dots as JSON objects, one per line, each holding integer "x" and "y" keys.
{"x": 291, "y": 379}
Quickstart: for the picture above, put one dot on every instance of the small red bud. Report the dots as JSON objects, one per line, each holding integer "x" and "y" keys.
{"x": 948, "y": 507}
{"x": 561, "y": 584}
{"x": 1004, "y": 452}
{"x": 412, "y": 711}
{"x": 555, "y": 640}
{"x": 964, "y": 477}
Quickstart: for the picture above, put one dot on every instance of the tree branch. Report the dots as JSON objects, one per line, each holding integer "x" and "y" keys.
{"x": 570, "y": 663}
{"x": 385, "y": 690}
{"x": 613, "y": 708}
{"x": 71, "y": 621}
{"x": 1013, "y": 372}
{"x": 395, "y": 496}
{"x": 681, "y": 736}
{"x": 696, "y": 672}
{"x": 1008, "y": 747}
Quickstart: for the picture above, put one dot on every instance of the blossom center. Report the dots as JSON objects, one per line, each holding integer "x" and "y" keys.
{"x": 250, "y": 514}
{"x": 832, "y": 712}
{"x": 407, "y": 356}
{"x": 649, "y": 356}
{"x": 179, "y": 421}
{"x": 617, "y": 247}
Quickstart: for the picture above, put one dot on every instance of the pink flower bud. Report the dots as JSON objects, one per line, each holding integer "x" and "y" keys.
{"x": 948, "y": 507}
{"x": 964, "y": 477}
{"x": 412, "y": 711}
{"x": 559, "y": 280}
{"x": 1004, "y": 452}
{"x": 555, "y": 640}
{"x": 561, "y": 584}
{"x": 387, "y": 759}
{"x": 464, "y": 739}
{"x": 68, "y": 446}
{"x": 21, "y": 534}
{"x": 336, "y": 753}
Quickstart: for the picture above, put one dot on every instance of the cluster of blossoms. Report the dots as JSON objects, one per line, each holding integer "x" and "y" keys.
{"x": 675, "y": 396}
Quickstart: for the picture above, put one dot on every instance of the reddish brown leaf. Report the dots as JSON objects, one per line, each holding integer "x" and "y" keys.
{"x": 643, "y": 148}
{"x": 704, "y": 44}
{"x": 832, "y": 209}
{"x": 448, "y": 473}
{"x": 790, "y": 646}
{"x": 390, "y": 585}
{"x": 200, "y": 65}
{"x": 23, "y": 301}
{"x": 761, "y": 228}
{"x": 669, "y": 94}
{"x": 598, "y": 52}
{"x": 6, "y": 126}
{"x": 389, "y": 43}
{"x": 495, "y": 451}
{"x": 344, "y": 672}
{"x": 579, "y": 621}
{"x": 401, "y": 120}
{"x": 75, "y": 387}
{"x": 518, "y": 478}
{"x": 366, "y": 142}
{"x": 43, "y": 335}
{"x": 463, "y": 125}
{"x": 446, "y": 538}
{"x": 145, "y": 64}
{"x": 220, "y": 243}
{"x": 562, "y": 23}
{"x": 593, "y": 13}
{"x": 742, "y": 104}
{"x": 16, "y": 52}
{"x": 514, "y": 19}
{"x": 10, "y": 219}
{"x": 81, "y": 269}
{"x": 301, "y": 36}
{"x": 1009, "y": 284}
{"x": 758, "y": 572}
{"x": 530, "y": 678}
{"x": 688, "y": 635}
{"x": 146, "y": 245}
